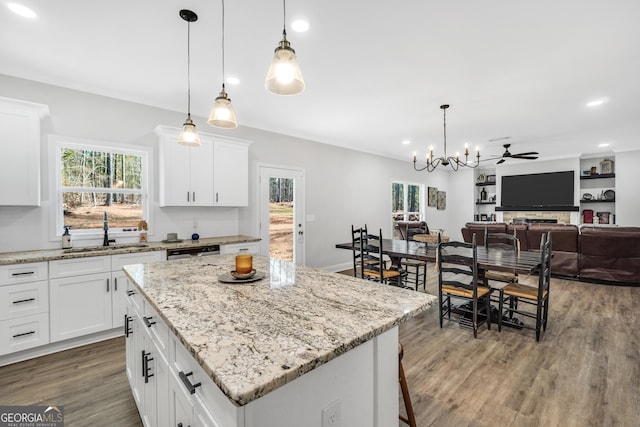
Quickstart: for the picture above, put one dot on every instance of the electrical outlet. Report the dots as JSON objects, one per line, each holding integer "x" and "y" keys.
{"x": 331, "y": 415}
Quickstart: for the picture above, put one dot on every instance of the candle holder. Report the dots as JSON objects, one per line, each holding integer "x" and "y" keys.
{"x": 244, "y": 264}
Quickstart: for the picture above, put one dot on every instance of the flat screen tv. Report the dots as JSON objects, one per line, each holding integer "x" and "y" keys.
{"x": 539, "y": 191}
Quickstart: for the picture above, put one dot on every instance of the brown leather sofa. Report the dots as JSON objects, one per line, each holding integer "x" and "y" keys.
{"x": 591, "y": 253}
{"x": 611, "y": 254}
{"x": 409, "y": 228}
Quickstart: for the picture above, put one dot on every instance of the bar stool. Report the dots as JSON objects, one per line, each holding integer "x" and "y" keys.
{"x": 411, "y": 420}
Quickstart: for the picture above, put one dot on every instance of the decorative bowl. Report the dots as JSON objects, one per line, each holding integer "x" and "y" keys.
{"x": 243, "y": 275}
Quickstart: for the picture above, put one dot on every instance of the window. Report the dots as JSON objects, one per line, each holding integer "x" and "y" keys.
{"x": 91, "y": 179}
{"x": 407, "y": 203}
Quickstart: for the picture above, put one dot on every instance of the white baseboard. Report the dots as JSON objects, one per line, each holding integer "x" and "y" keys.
{"x": 59, "y": 346}
{"x": 339, "y": 267}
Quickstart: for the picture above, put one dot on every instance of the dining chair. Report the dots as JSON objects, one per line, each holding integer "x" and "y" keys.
{"x": 458, "y": 279}
{"x": 410, "y": 419}
{"x": 504, "y": 241}
{"x": 537, "y": 296}
{"x": 416, "y": 269}
{"x": 358, "y": 243}
{"x": 372, "y": 261}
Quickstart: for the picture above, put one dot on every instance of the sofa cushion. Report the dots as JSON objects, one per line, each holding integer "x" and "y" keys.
{"x": 476, "y": 228}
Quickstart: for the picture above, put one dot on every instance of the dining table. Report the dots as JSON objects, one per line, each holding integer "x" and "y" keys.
{"x": 496, "y": 259}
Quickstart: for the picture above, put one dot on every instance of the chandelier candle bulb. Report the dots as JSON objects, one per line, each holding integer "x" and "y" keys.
{"x": 466, "y": 149}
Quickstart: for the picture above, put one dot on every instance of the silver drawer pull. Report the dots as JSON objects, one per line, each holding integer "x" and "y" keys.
{"x": 20, "y": 301}
{"x": 24, "y": 334}
{"x": 26, "y": 273}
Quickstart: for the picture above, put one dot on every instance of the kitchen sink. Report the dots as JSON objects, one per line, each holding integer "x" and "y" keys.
{"x": 105, "y": 248}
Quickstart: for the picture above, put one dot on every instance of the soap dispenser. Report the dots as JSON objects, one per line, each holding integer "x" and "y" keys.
{"x": 66, "y": 238}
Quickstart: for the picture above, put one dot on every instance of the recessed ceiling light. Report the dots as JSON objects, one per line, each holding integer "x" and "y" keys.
{"x": 300, "y": 25}
{"x": 604, "y": 144}
{"x": 22, "y": 10}
{"x": 406, "y": 142}
{"x": 233, "y": 80}
{"x": 596, "y": 102}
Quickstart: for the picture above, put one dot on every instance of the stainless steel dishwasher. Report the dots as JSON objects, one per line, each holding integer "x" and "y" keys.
{"x": 178, "y": 253}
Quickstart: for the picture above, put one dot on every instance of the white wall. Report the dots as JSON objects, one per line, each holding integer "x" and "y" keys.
{"x": 627, "y": 169}
{"x": 343, "y": 187}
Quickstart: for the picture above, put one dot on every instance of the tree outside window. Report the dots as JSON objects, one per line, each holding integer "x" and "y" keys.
{"x": 407, "y": 203}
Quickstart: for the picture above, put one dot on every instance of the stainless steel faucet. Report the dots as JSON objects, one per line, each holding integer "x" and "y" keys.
{"x": 105, "y": 227}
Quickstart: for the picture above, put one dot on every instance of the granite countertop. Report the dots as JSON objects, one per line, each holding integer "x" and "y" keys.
{"x": 252, "y": 338}
{"x": 81, "y": 252}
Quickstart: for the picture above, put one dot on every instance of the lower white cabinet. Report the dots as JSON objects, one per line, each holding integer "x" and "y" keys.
{"x": 88, "y": 295}
{"x": 247, "y": 247}
{"x": 24, "y": 306}
{"x": 80, "y": 305}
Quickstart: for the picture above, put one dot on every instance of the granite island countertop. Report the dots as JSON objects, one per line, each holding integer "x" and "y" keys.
{"x": 82, "y": 252}
{"x": 252, "y": 338}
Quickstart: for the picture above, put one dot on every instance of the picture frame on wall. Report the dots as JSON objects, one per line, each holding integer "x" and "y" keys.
{"x": 491, "y": 179}
{"x": 432, "y": 196}
{"x": 442, "y": 200}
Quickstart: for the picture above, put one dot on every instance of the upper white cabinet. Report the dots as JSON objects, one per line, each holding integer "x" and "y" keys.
{"x": 186, "y": 173}
{"x": 231, "y": 172}
{"x": 214, "y": 174}
{"x": 20, "y": 151}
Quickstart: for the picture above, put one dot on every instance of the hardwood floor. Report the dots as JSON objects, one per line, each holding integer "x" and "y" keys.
{"x": 89, "y": 382}
{"x": 585, "y": 371}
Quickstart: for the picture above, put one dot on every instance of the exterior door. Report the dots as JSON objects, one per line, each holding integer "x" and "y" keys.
{"x": 282, "y": 218}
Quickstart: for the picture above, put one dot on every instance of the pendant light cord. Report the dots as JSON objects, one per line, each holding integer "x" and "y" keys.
{"x": 444, "y": 111}
{"x": 222, "y": 44}
{"x": 284, "y": 15}
{"x": 188, "y": 68}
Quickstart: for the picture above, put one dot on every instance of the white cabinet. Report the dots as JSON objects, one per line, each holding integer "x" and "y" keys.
{"x": 186, "y": 173}
{"x": 231, "y": 172}
{"x": 214, "y": 174}
{"x": 80, "y": 305}
{"x": 20, "y": 152}
{"x": 88, "y": 294}
{"x": 24, "y": 307}
{"x": 246, "y": 247}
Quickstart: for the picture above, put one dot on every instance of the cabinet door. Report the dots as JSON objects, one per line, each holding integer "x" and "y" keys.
{"x": 174, "y": 171}
{"x": 231, "y": 173}
{"x": 155, "y": 379}
{"x": 20, "y": 152}
{"x": 118, "y": 298}
{"x": 79, "y": 305}
{"x": 202, "y": 169}
{"x": 134, "y": 344}
{"x": 180, "y": 405}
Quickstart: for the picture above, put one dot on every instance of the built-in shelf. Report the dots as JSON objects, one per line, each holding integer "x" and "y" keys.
{"x": 485, "y": 184}
{"x": 599, "y": 176}
{"x": 598, "y": 201}
{"x": 485, "y": 203}
{"x": 537, "y": 208}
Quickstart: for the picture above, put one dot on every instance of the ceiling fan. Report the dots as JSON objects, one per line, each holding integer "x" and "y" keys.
{"x": 529, "y": 155}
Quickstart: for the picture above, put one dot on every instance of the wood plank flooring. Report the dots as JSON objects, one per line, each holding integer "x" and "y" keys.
{"x": 585, "y": 371}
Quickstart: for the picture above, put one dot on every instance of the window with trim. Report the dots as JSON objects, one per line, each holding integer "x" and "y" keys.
{"x": 94, "y": 179}
{"x": 407, "y": 203}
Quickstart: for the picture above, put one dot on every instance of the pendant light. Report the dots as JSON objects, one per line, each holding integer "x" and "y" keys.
{"x": 188, "y": 135}
{"x": 284, "y": 76}
{"x": 222, "y": 114}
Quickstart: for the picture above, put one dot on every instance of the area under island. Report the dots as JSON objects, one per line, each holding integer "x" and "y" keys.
{"x": 287, "y": 350}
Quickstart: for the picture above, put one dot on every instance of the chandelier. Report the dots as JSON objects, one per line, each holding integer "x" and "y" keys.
{"x": 453, "y": 161}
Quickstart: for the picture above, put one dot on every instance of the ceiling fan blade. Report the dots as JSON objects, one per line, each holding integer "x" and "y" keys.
{"x": 528, "y": 153}
{"x": 519, "y": 156}
{"x": 500, "y": 162}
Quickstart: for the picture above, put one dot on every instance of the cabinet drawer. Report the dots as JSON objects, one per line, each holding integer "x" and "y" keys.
{"x": 208, "y": 395}
{"x": 23, "y": 333}
{"x": 248, "y": 247}
{"x": 119, "y": 261}
{"x": 79, "y": 266}
{"x": 24, "y": 300}
{"x": 23, "y": 273}
{"x": 157, "y": 329}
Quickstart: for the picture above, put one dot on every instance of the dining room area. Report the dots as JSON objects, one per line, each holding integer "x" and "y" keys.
{"x": 580, "y": 370}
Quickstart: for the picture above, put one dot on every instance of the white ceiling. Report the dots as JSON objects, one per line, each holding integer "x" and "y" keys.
{"x": 376, "y": 71}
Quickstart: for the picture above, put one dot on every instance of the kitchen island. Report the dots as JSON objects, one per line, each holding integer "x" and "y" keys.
{"x": 299, "y": 345}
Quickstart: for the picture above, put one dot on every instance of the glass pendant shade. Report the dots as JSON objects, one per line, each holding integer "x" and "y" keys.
{"x": 188, "y": 135}
{"x": 284, "y": 76}
{"x": 222, "y": 114}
